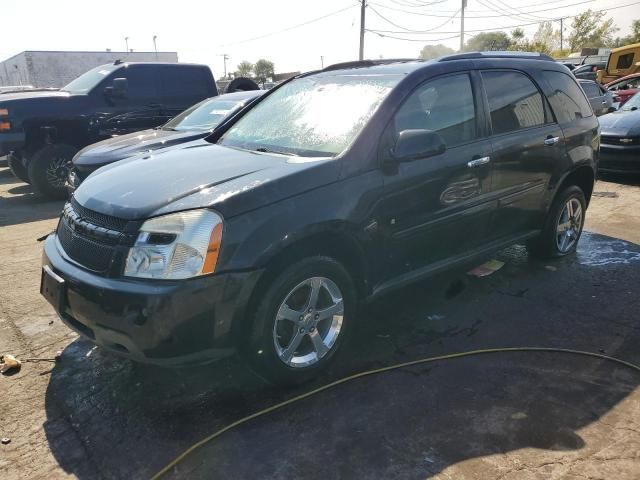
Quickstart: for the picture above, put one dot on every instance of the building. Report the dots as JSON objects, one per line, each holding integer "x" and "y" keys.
{"x": 55, "y": 69}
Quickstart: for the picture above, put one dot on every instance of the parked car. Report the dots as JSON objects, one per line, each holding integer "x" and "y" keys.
{"x": 620, "y": 139}
{"x": 622, "y": 61}
{"x": 337, "y": 187}
{"x": 600, "y": 98}
{"x": 42, "y": 131}
{"x": 624, "y": 88}
{"x": 194, "y": 123}
{"x": 589, "y": 71}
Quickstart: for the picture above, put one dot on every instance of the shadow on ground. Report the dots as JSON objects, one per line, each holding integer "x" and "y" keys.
{"x": 411, "y": 423}
{"x": 22, "y": 205}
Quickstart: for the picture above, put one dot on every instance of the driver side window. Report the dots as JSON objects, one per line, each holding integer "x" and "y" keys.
{"x": 445, "y": 106}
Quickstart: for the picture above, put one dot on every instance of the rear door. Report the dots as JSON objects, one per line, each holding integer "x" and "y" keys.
{"x": 436, "y": 208}
{"x": 182, "y": 86}
{"x": 527, "y": 144}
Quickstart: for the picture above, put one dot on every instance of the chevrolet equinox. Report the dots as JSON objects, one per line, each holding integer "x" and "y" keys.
{"x": 336, "y": 187}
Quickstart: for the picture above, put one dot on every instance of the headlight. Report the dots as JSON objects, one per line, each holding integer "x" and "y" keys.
{"x": 179, "y": 245}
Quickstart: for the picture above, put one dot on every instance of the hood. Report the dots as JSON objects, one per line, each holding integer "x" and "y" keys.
{"x": 123, "y": 146}
{"x": 29, "y": 95}
{"x": 200, "y": 175}
{"x": 621, "y": 123}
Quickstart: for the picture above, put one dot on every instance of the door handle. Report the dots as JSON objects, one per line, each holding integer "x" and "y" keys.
{"x": 604, "y": 102}
{"x": 550, "y": 141}
{"x": 478, "y": 162}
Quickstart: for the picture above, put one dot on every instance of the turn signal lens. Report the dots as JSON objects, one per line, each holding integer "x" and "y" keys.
{"x": 213, "y": 250}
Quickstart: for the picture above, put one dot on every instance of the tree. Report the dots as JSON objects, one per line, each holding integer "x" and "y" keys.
{"x": 488, "y": 41}
{"x": 633, "y": 38}
{"x": 435, "y": 51}
{"x": 546, "y": 38}
{"x": 245, "y": 69}
{"x": 263, "y": 70}
{"x": 591, "y": 29}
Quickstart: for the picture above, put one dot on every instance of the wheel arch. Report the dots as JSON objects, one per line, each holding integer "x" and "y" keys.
{"x": 582, "y": 176}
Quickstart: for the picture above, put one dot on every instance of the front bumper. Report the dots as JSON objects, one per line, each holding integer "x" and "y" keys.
{"x": 11, "y": 142}
{"x": 157, "y": 322}
{"x": 619, "y": 158}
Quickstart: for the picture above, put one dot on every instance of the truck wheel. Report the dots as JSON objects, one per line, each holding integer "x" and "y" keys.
{"x": 301, "y": 321}
{"x": 563, "y": 225}
{"x": 48, "y": 169}
{"x": 14, "y": 161}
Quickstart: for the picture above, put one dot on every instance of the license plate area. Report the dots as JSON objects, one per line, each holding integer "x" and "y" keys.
{"x": 52, "y": 287}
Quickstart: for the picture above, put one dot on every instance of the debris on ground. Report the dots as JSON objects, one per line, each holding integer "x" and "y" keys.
{"x": 486, "y": 268}
{"x": 5, "y": 441}
{"x": 551, "y": 268}
{"x": 9, "y": 362}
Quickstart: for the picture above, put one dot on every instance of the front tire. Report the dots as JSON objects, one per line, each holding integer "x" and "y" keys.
{"x": 563, "y": 225}
{"x": 302, "y": 319}
{"x": 48, "y": 170}
{"x": 14, "y": 162}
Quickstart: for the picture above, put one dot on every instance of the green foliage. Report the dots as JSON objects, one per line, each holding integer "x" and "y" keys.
{"x": 591, "y": 29}
{"x": 264, "y": 70}
{"x": 245, "y": 69}
{"x": 435, "y": 51}
{"x": 486, "y": 41}
{"x": 629, "y": 39}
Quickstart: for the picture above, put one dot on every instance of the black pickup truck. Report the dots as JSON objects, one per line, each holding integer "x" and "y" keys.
{"x": 42, "y": 131}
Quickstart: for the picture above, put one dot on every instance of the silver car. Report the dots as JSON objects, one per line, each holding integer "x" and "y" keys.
{"x": 600, "y": 98}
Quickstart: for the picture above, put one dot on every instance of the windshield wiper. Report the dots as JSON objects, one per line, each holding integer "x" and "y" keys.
{"x": 269, "y": 150}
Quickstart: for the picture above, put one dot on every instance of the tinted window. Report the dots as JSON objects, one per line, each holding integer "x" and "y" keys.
{"x": 625, "y": 61}
{"x": 591, "y": 89}
{"x": 140, "y": 82}
{"x": 445, "y": 106}
{"x": 514, "y": 101}
{"x": 205, "y": 115}
{"x": 184, "y": 82}
{"x": 90, "y": 79}
{"x": 566, "y": 98}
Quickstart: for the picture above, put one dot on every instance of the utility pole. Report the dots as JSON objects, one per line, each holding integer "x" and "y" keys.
{"x": 561, "y": 33}
{"x": 321, "y": 61}
{"x": 225, "y": 57}
{"x": 464, "y": 4}
{"x": 126, "y": 43}
{"x": 363, "y": 6}
{"x": 155, "y": 47}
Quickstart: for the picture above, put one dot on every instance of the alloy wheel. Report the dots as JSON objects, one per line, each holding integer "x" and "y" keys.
{"x": 58, "y": 171}
{"x": 569, "y": 225}
{"x": 308, "y": 322}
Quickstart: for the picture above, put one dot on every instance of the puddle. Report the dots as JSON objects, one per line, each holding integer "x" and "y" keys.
{"x": 597, "y": 251}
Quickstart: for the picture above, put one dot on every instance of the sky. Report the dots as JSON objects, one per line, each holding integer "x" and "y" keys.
{"x": 202, "y": 31}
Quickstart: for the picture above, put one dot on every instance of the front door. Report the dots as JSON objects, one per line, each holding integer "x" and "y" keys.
{"x": 436, "y": 208}
{"x": 527, "y": 146}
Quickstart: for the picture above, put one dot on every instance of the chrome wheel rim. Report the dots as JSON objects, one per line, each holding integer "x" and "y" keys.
{"x": 569, "y": 225}
{"x": 58, "y": 171}
{"x": 308, "y": 322}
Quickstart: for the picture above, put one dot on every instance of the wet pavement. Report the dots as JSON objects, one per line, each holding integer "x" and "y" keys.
{"x": 506, "y": 415}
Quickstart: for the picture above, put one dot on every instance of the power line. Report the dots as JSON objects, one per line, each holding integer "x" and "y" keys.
{"x": 408, "y": 29}
{"x": 451, "y": 11}
{"x": 413, "y": 39}
{"x": 289, "y": 28}
{"x": 494, "y": 29}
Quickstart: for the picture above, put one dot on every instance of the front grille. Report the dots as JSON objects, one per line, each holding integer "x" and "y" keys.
{"x": 89, "y": 253}
{"x": 91, "y": 238}
{"x": 620, "y": 140}
{"x": 97, "y": 218}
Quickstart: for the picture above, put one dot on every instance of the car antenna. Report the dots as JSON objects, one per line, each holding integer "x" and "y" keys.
{"x": 117, "y": 62}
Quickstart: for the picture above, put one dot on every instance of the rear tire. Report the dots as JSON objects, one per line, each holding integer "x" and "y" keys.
{"x": 563, "y": 225}
{"x": 48, "y": 170}
{"x": 293, "y": 338}
{"x": 14, "y": 162}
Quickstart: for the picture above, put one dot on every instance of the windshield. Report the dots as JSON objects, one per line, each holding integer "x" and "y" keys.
{"x": 632, "y": 104}
{"x": 312, "y": 116}
{"x": 90, "y": 79}
{"x": 205, "y": 115}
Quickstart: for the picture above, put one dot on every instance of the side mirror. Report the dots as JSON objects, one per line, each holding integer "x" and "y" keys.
{"x": 414, "y": 144}
{"x": 118, "y": 88}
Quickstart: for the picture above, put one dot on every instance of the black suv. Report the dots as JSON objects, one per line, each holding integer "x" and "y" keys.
{"x": 336, "y": 187}
{"x": 43, "y": 130}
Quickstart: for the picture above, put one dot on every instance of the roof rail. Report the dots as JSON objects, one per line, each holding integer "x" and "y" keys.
{"x": 497, "y": 54}
{"x": 368, "y": 63}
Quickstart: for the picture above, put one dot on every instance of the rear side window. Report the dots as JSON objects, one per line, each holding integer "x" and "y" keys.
{"x": 591, "y": 89}
{"x": 445, "y": 106}
{"x": 625, "y": 61}
{"x": 183, "y": 82}
{"x": 140, "y": 82}
{"x": 514, "y": 101}
{"x": 566, "y": 98}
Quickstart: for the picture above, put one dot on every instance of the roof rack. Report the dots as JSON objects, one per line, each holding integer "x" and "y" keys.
{"x": 368, "y": 63}
{"x": 497, "y": 54}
